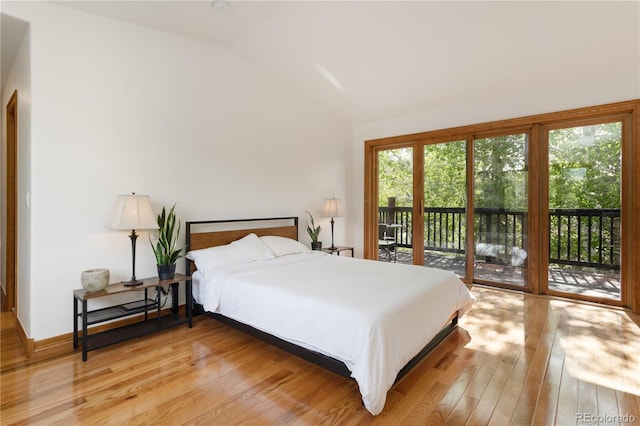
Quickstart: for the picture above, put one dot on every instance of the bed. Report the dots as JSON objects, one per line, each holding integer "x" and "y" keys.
{"x": 370, "y": 321}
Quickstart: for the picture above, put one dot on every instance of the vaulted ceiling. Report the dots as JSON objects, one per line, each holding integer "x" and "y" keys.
{"x": 373, "y": 60}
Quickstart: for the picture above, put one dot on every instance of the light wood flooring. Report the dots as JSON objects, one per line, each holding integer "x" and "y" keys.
{"x": 515, "y": 359}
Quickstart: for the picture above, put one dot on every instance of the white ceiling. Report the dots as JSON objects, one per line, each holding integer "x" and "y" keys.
{"x": 373, "y": 60}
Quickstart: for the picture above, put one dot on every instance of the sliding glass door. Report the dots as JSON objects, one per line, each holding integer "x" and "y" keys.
{"x": 543, "y": 204}
{"x": 487, "y": 245}
{"x": 445, "y": 201}
{"x": 584, "y": 210}
{"x": 395, "y": 205}
{"x": 500, "y": 170}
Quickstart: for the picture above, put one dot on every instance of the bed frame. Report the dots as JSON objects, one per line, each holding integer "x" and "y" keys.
{"x": 210, "y": 238}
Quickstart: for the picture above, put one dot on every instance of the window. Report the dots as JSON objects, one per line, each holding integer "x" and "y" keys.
{"x": 541, "y": 204}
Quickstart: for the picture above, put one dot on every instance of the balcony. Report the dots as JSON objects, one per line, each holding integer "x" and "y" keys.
{"x": 584, "y": 245}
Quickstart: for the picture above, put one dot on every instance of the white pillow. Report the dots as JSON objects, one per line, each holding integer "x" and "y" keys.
{"x": 253, "y": 247}
{"x": 246, "y": 249}
{"x": 215, "y": 257}
{"x": 282, "y": 246}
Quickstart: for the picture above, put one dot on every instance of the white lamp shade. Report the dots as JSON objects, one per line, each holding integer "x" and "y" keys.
{"x": 132, "y": 212}
{"x": 333, "y": 207}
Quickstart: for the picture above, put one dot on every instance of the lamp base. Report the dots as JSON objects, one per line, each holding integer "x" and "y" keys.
{"x": 132, "y": 283}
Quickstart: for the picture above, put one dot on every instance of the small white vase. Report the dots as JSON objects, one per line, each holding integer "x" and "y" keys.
{"x": 95, "y": 279}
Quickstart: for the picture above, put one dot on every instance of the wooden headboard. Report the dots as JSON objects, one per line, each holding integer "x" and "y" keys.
{"x": 238, "y": 228}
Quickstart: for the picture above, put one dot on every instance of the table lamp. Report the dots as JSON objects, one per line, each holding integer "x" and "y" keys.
{"x": 132, "y": 212}
{"x": 333, "y": 207}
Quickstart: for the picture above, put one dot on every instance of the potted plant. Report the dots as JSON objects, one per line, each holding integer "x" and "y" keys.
{"x": 165, "y": 249}
{"x": 314, "y": 232}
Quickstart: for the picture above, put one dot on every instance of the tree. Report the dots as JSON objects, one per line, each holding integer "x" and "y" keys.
{"x": 395, "y": 176}
{"x": 501, "y": 172}
{"x": 445, "y": 174}
{"x": 585, "y": 169}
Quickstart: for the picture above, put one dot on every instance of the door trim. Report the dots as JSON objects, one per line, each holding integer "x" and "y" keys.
{"x": 11, "y": 242}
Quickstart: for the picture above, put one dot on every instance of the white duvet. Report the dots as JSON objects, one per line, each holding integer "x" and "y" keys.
{"x": 373, "y": 316}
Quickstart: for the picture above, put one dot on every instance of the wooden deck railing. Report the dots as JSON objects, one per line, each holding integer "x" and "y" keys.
{"x": 578, "y": 237}
{"x": 585, "y": 237}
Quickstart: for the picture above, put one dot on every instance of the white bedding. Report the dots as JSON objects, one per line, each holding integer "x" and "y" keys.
{"x": 373, "y": 316}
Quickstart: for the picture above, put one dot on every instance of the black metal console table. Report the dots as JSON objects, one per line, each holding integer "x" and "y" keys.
{"x": 144, "y": 306}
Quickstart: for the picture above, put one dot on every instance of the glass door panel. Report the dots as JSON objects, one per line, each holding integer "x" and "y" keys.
{"x": 500, "y": 209}
{"x": 395, "y": 205}
{"x": 445, "y": 196}
{"x": 584, "y": 210}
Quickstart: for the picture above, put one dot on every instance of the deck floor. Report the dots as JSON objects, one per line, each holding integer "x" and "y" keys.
{"x": 585, "y": 281}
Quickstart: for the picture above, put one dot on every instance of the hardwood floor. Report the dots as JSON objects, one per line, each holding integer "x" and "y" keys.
{"x": 515, "y": 359}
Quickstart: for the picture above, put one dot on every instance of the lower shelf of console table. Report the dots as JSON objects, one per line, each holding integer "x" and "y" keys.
{"x": 143, "y": 308}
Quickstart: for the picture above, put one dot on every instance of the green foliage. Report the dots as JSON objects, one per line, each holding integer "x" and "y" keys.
{"x": 165, "y": 249}
{"x": 445, "y": 174}
{"x": 395, "y": 176}
{"x": 312, "y": 229}
{"x": 585, "y": 167}
{"x": 501, "y": 172}
{"x": 584, "y": 171}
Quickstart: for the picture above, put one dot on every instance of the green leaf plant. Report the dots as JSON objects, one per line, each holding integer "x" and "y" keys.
{"x": 165, "y": 249}
{"x": 312, "y": 229}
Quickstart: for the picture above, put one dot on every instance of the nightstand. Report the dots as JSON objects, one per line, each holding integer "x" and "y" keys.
{"x": 144, "y": 306}
{"x": 337, "y": 250}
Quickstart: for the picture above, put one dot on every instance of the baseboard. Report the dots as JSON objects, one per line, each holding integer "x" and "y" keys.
{"x": 27, "y": 343}
{"x": 63, "y": 344}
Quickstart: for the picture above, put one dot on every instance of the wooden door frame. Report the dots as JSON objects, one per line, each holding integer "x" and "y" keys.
{"x": 11, "y": 241}
{"x": 371, "y": 150}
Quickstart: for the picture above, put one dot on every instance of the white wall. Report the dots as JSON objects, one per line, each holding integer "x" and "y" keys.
{"x": 621, "y": 85}
{"x": 119, "y": 108}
